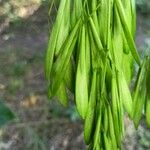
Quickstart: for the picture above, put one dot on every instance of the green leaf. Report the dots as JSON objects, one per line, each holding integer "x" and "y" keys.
{"x": 6, "y": 114}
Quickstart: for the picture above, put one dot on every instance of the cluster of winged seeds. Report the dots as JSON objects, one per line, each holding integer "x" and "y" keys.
{"x": 91, "y": 52}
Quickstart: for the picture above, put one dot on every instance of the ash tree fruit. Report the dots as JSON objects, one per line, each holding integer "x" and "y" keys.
{"x": 91, "y": 51}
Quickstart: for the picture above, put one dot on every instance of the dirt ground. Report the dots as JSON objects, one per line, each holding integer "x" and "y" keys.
{"x": 41, "y": 124}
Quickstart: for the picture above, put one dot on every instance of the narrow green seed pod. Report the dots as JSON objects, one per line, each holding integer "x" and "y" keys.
{"x": 116, "y": 109}
{"x": 89, "y": 120}
{"x": 53, "y": 39}
{"x": 61, "y": 64}
{"x": 97, "y": 133}
{"x": 139, "y": 95}
{"x": 106, "y": 121}
{"x": 147, "y": 111}
{"x": 111, "y": 129}
{"x": 126, "y": 30}
{"x": 147, "y": 104}
{"x": 125, "y": 95}
{"x": 96, "y": 36}
{"x": 69, "y": 77}
{"x": 81, "y": 89}
{"x": 62, "y": 95}
{"x": 107, "y": 142}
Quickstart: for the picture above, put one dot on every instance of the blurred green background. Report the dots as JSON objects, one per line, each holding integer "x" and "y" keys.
{"x": 39, "y": 123}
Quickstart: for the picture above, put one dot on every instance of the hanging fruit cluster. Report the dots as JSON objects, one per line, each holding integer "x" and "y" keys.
{"x": 91, "y": 52}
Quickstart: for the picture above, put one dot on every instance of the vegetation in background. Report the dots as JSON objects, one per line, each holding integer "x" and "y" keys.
{"x": 13, "y": 10}
{"x": 143, "y": 6}
{"x": 6, "y": 115}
